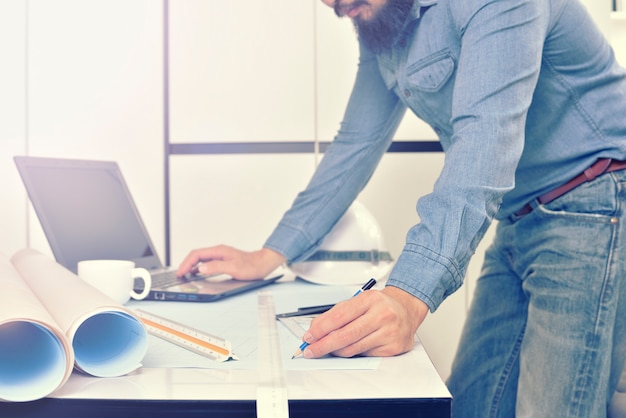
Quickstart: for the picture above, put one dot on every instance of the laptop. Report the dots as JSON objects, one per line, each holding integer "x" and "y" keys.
{"x": 87, "y": 213}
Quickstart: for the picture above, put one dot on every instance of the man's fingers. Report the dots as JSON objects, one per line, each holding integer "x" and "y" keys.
{"x": 347, "y": 341}
{"x": 213, "y": 267}
{"x": 201, "y": 255}
{"x": 336, "y": 318}
{"x": 190, "y": 261}
{"x": 370, "y": 324}
{"x": 341, "y": 328}
{"x": 344, "y": 344}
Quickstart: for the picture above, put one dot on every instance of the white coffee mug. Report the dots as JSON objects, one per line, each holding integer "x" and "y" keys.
{"x": 115, "y": 278}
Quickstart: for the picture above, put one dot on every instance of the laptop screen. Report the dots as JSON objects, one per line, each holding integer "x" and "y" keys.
{"x": 86, "y": 211}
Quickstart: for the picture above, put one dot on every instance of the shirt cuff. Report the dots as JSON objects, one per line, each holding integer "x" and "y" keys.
{"x": 426, "y": 275}
{"x": 290, "y": 242}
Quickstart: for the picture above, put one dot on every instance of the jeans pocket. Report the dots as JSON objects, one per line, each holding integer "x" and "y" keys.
{"x": 596, "y": 201}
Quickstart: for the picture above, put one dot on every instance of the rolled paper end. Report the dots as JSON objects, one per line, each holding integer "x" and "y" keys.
{"x": 34, "y": 361}
{"x": 110, "y": 344}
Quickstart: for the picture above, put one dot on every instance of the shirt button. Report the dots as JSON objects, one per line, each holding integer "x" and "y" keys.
{"x": 407, "y": 93}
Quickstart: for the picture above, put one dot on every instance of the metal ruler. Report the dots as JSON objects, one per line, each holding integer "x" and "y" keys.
{"x": 272, "y": 400}
{"x": 200, "y": 342}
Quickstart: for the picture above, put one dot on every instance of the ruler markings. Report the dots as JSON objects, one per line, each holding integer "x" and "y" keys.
{"x": 272, "y": 399}
{"x": 192, "y": 339}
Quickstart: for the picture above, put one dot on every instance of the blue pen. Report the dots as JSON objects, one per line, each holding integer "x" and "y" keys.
{"x": 366, "y": 286}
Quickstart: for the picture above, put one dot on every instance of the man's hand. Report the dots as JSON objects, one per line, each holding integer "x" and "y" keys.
{"x": 374, "y": 323}
{"x": 242, "y": 265}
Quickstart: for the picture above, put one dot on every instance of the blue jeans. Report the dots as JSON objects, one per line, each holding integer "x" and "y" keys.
{"x": 545, "y": 335}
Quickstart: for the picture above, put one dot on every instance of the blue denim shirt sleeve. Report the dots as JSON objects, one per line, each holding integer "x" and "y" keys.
{"x": 496, "y": 71}
{"x": 372, "y": 116}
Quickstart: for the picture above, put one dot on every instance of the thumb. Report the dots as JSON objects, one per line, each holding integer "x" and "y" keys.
{"x": 211, "y": 268}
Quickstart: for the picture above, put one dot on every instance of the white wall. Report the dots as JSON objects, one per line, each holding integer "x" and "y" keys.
{"x": 600, "y": 10}
{"x": 13, "y": 202}
{"x": 84, "y": 79}
{"x": 618, "y": 36}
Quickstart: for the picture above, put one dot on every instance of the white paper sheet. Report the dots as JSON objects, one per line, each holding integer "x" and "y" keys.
{"x": 236, "y": 319}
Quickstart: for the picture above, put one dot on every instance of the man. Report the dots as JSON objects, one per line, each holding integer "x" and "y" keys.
{"x": 525, "y": 96}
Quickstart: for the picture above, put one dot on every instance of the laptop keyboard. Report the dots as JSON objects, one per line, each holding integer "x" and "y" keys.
{"x": 165, "y": 279}
{"x": 159, "y": 280}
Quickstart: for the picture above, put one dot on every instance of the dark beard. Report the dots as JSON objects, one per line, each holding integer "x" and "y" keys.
{"x": 381, "y": 32}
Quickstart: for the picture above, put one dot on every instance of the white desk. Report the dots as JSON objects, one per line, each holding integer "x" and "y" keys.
{"x": 406, "y": 385}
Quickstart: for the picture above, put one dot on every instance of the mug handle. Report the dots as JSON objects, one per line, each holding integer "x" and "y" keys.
{"x": 147, "y": 283}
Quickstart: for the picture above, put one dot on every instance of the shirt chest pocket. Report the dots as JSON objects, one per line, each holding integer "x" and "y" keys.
{"x": 429, "y": 74}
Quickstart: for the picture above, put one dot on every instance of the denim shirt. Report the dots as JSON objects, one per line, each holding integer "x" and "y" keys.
{"x": 524, "y": 95}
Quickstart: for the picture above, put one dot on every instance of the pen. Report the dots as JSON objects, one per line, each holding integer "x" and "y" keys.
{"x": 305, "y": 311}
{"x": 370, "y": 283}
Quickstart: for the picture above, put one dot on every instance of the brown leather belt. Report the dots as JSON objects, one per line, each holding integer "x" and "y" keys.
{"x": 602, "y": 166}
